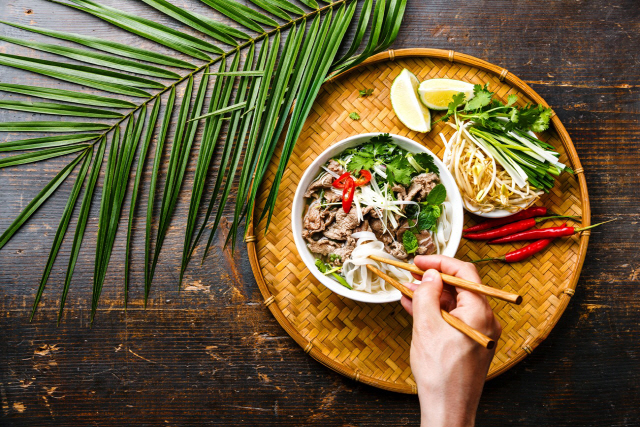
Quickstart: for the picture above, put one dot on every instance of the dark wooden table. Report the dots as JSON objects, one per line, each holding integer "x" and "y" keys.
{"x": 213, "y": 355}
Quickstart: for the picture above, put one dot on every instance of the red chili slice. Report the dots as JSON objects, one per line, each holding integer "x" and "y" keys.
{"x": 347, "y": 194}
{"x": 365, "y": 177}
{"x": 342, "y": 180}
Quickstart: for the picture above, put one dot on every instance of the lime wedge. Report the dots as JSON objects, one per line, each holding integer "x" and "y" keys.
{"x": 404, "y": 99}
{"x": 438, "y": 93}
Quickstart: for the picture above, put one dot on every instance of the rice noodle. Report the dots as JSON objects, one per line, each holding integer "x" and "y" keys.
{"x": 358, "y": 275}
{"x": 444, "y": 227}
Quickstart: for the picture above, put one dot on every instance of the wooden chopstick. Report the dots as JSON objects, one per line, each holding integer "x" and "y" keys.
{"x": 478, "y": 337}
{"x": 456, "y": 281}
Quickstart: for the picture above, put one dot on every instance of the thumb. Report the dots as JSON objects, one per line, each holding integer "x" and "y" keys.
{"x": 426, "y": 299}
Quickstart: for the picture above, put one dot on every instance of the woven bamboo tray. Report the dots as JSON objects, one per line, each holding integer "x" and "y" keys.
{"x": 370, "y": 342}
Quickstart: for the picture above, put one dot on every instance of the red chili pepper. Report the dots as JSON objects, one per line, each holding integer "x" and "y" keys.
{"x": 492, "y": 223}
{"x": 342, "y": 180}
{"x": 509, "y": 229}
{"x": 543, "y": 233}
{"x": 522, "y": 253}
{"x": 347, "y": 194}
{"x": 365, "y": 177}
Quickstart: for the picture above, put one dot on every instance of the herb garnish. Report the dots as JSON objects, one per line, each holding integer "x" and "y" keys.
{"x": 354, "y": 116}
{"x": 430, "y": 211}
{"x": 366, "y": 92}
{"x": 327, "y": 269}
{"x": 489, "y": 112}
{"x": 380, "y": 150}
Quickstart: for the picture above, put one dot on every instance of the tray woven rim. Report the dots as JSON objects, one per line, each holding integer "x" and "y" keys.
{"x": 528, "y": 347}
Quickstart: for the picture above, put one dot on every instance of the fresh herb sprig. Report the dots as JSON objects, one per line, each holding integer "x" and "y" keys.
{"x": 401, "y": 166}
{"x": 502, "y": 130}
{"x": 327, "y": 269}
{"x": 430, "y": 211}
{"x": 491, "y": 113}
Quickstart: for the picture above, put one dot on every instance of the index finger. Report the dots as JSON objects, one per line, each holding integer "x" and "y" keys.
{"x": 464, "y": 270}
{"x": 448, "y": 265}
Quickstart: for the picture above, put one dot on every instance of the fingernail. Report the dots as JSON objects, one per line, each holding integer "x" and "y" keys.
{"x": 429, "y": 276}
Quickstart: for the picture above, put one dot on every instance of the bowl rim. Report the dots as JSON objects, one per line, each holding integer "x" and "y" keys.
{"x": 453, "y": 195}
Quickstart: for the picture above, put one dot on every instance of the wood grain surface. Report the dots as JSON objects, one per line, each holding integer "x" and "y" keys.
{"x": 213, "y": 355}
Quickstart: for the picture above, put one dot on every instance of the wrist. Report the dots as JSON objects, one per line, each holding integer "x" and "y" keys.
{"x": 444, "y": 408}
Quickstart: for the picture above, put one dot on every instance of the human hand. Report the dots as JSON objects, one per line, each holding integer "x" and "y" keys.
{"x": 449, "y": 367}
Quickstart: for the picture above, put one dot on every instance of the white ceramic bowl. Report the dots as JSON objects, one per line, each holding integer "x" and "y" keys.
{"x": 453, "y": 195}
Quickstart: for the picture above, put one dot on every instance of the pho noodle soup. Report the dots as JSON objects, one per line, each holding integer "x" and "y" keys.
{"x": 375, "y": 199}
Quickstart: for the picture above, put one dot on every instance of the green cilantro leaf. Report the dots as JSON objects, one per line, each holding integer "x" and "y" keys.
{"x": 383, "y": 138}
{"x": 410, "y": 242}
{"x": 400, "y": 170}
{"x": 437, "y": 195}
{"x": 457, "y": 101}
{"x": 542, "y": 122}
{"x": 354, "y": 116}
{"x": 360, "y": 161}
{"x": 481, "y": 98}
{"x": 426, "y": 162}
{"x": 511, "y": 99}
{"x": 321, "y": 266}
{"x": 366, "y": 92}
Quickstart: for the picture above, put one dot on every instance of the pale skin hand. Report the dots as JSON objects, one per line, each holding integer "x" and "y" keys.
{"x": 449, "y": 367}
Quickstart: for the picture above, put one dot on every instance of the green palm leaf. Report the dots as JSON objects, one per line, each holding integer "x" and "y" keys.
{"x": 88, "y": 76}
{"x": 274, "y": 93}
{"x": 134, "y": 196}
{"x": 221, "y": 32}
{"x": 272, "y": 9}
{"x": 66, "y": 95}
{"x": 40, "y": 155}
{"x": 311, "y": 3}
{"x": 83, "y": 218}
{"x": 148, "y": 275}
{"x": 109, "y": 46}
{"x": 286, "y": 5}
{"x": 158, "y": 33}
{"x": 37, "y": 201}
{"x": 240, "y": 13}
{"x": 58, "y": 109}
{"x": 62, "y": 228}
{"x": 96, "y": 58}
{"x": 47, "y": 142}
{"x": 52, "y": 127}
{"x": 213, "y": 126}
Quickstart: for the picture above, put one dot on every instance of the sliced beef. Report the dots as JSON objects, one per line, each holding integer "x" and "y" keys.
{"x": 396, "y": 249}
{"x": 323, "y": 246}
{"x": 332, "y": 197}
{"x": 324, "y": 182}
{"x": 316, "y": 219}
{"x": 344, "y": 252}
{"x": 343, "y": 226}
{"x": 421, "y": 186}
{"x": 335, "y": 167}
{"x": 377, "y": 226}
{"x": 425, "y": 244}
{"x": 364, "y": 226}
{"x": 401, "y": 192}
{"x": 404, "y": 226}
